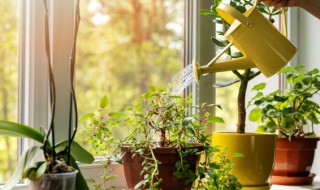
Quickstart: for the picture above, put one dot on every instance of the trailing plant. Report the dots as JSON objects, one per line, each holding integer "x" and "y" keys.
{"x": 161, "y": 120}
{"x": 59, "y": 157}
{"x": 242, "y": 76}
{"x": 288, "y": 112}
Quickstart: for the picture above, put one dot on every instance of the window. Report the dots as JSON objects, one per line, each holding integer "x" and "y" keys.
{"x": 8, "y": 83}
{"x": 119, "y": 44}
{"x": 125, "y": 46}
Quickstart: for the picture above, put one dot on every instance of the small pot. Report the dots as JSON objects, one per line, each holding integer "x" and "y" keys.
{"x": 168, "y": 156}
{"x": 294, "y": 161}
{"x": 59, "y": 181}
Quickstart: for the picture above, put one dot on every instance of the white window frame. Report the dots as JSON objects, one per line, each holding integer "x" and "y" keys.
{"x": 33, "y": 83}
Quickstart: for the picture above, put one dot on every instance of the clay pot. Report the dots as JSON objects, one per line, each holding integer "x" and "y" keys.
{"x": 293, "y": 161}
{"x": 168, "y": 157}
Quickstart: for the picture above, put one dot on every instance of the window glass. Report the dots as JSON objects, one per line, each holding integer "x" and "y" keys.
{"x": 125, "y": 46}
{"x": 8, "y": 83}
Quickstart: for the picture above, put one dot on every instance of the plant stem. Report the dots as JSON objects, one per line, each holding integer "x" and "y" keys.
{"x": 73, "y": 101}
{"x": 52, "y": 91}
{"x": 244, "y": 80}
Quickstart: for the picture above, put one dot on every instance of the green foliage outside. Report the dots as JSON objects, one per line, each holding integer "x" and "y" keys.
{"x": 8, "y": 83}
{"x": 136, "y": 47}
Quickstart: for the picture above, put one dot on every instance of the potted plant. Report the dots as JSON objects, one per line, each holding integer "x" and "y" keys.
{"x": 59, "y": 169}
{"x": 292, "y": 114}
{"x": 165, "y": 144}
{"x": 255, "y": 168}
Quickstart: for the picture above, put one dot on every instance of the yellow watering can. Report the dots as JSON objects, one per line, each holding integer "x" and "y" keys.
{"x": 262, "y": 45}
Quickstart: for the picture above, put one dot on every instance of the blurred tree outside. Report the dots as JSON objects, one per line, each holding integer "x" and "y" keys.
{"x": 8, "y": 83}
{"x": 125, "y": 46}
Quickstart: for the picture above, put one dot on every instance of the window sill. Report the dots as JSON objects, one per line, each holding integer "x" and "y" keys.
{"x": 316, "y": 185}
{"x": 94, "y": 171}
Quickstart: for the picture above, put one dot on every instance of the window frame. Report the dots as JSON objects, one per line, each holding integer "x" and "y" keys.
{"x": 33, "y": 89}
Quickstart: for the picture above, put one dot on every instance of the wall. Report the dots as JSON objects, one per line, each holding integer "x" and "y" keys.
{"x": 309, "y": 55}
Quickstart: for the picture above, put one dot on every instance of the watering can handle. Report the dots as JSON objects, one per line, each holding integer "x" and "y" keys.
{"x": 229, "y": 14}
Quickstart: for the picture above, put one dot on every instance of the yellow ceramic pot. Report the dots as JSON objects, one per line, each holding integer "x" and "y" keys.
{"x": 254, "y": 170}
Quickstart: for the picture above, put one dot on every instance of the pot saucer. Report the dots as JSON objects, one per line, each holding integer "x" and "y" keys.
{"x": 292, "y": 180}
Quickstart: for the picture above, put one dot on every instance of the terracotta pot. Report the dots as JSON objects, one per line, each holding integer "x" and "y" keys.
{"x": 254, "y": 169}
{"x": 168, "y": 157}
{"x": 294, "y": 161}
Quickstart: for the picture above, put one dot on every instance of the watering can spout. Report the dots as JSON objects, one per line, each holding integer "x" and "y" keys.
{"x": 229, "y": 65}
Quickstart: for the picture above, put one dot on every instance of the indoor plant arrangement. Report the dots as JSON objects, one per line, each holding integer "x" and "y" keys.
{"x": 264, "y": 145}
{"x": 59, "y": 169}
{"x": 292, "y": 114}
{"x": 164, "y": 147}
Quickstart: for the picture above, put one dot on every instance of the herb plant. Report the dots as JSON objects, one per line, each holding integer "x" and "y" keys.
{"x": 161, "y": 120}
{"x": 289, "y": 112}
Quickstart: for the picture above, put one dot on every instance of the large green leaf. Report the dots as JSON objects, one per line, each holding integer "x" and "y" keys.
{"x": 8, "y": 128}
{"x": 77, "y": 152}
{"x": 35, "y": 171}
{"x": 24, "y": 160}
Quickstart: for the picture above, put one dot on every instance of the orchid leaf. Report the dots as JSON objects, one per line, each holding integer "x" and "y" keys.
{"x": 24, "y": 160}
{"x": 78, "y": 153}
{"x": 35, "y": 171}
{"x": 8, "y": 128}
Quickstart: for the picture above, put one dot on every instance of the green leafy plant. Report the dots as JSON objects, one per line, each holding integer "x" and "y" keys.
{"x": 59, "y": 157}
{"x": 241, "y": 76}
{"x": 99, "y": 134}
{"x": 161, "y": 120}
{"x": 289, "y": 112}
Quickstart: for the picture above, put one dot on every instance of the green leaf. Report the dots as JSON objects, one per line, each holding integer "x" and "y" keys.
{"x": 24, "y": 160}
{"x": 259, "y": 86}
{"x": 35, "y": 171}
{"x": 298, "y": 85}
{"x": 313, "y": 72}
{"x": 298, "y": 67}
{"x": 285, "y": 70}
{"x": 104, "y": 102}
{"x": 255, "y": 115}
{"x": 280, "y": 98}
{"x": 13, "y": 129}
{"x": 241, "y": 9}
{"x": 216, "y": 120}
{"x": 86, "y": 116}
{"x": 237, "y": 155}
{"x": 152, "y": 88}
{"x": 218, "y": 43}
{"x": 207, "y": 12}
{"x": 236, "y": 55}
{"x": 116, "y": 114}
{"x": 77, "y": 152}
{"x": 261, "y": 129}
